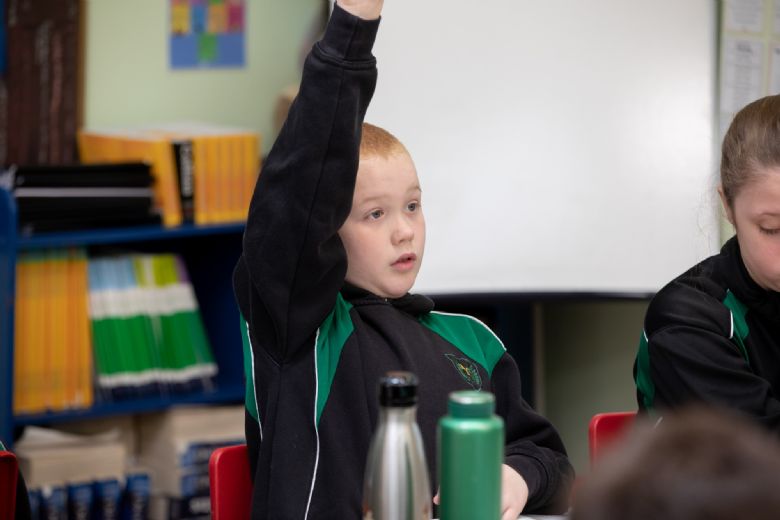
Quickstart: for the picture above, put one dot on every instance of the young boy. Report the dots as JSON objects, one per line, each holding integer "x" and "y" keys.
{"x": 333, "y": 243}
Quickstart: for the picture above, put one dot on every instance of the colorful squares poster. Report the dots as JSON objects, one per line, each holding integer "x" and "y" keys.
{"x": 207, "y": 33}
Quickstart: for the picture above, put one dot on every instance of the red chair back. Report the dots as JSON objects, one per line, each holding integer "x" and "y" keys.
{"x": 230, "y": 483}
{"x": 9, "y": 471}
{"x": 604, "y": 429}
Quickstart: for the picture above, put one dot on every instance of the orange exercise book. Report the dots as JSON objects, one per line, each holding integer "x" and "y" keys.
{"x": 52, "y": 364}
{"x": 123, "y": 146}
{"x": 224, "y": 164}
{"x": 204, "y": 173}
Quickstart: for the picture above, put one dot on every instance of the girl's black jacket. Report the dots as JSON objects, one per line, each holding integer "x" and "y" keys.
{"x": 712, "y": 336}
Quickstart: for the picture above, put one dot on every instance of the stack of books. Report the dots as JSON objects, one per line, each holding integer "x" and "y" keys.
{"x": 146, "y": 326}
{"x": 116, "y": 327}
{"x": 204, "y": 173}
{"x": 57, "y": 198}
{"x": 80, "y": 476}
{"x": 53, "y": 365}
{"x": 176, "y": 446}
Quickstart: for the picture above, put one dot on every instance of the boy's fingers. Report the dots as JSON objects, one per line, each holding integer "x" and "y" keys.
{"x": 510, "y": 514}
{"x": 366, "y": 9}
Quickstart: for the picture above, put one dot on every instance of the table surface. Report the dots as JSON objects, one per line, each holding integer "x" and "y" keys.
{"x": 539, "y": 517}
{"x": 543, "y": 517}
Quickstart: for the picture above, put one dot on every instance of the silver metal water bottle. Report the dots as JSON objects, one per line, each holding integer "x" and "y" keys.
{"x": 396, "y": 483}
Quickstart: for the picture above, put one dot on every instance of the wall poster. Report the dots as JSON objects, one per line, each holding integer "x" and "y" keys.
{"x": 207, "y": 33}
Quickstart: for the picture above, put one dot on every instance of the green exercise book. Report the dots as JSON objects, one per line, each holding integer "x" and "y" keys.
{"x": 147, "y": 329}
{"x": 143, "y": 344}
{"x": 186, "y": 357}
{"x": 126, "y": 360}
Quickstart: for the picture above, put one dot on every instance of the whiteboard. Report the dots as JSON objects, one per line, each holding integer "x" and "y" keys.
{"x": 562, "y": 145}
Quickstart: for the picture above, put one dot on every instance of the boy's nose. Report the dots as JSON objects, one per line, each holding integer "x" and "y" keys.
{"x": 403, "y": 232}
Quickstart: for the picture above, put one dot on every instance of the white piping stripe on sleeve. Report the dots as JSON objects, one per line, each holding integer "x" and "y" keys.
{"x": 254, "y": 383}
{"x": 473, "y": 319}
{"x": 644, "y": 333}
{"x": 731, "y": 333}
{"x": 316, "y": 431}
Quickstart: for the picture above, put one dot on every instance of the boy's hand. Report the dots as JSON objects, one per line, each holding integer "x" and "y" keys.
{"x": 514, "y": 493}
{"x": 365, "y": 9}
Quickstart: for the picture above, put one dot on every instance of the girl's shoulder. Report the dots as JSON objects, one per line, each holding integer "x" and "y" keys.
{"x": 695, "y": 299}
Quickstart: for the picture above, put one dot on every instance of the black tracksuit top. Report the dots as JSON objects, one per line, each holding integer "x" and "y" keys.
{"x": 315, "y": 347}
{"x": 712, "y": 336}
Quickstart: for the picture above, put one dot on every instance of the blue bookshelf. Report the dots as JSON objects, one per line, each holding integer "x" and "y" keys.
{"x": 209, "y": 252}
{"x": 123, "y": 235}
{"x": 149, "y": 404}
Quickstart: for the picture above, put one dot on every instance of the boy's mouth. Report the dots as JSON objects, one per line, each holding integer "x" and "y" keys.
{"x": 405, "y": 261}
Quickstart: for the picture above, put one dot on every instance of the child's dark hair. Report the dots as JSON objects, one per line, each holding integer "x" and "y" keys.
{"x": 752, "y": 142}
{"x": 696, "y": 464}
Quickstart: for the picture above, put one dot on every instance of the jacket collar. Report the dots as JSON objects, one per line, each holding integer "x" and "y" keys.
{"x": 414, "y": 304}
{"x": 739, "y": 281}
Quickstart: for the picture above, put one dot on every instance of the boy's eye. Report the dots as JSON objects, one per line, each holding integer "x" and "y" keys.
{"x": 766, "y": 231}
{"x": 374, "y": 215}
{"x": 412, "y": 206}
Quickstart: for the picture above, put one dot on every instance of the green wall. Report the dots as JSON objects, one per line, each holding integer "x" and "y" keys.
{"x": 128, "y": 81}
{"x": 588, "y": 351}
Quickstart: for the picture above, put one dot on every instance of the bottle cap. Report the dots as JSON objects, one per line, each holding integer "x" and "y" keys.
{"x": 398, "y": 388}
{"x": 471, "y": 404}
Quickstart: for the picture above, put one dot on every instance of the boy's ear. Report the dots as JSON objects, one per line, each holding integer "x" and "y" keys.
{"x": 726, "y": 206}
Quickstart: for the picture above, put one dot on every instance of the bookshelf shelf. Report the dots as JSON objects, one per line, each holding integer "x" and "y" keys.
{"x": 123, "y": 235}
{"x": 150, "y": 404}
{"x": 209, "y": 253}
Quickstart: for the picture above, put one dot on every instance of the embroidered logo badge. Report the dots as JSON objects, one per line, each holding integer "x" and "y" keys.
{"x": 467, "y": 370}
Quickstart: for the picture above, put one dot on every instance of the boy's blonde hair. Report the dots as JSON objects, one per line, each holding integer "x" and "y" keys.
{"x": 378, "y": 142}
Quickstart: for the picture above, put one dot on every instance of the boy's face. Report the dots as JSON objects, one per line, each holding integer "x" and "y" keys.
{"x": 384, "y": 235}
{"x": 756, "y": 217}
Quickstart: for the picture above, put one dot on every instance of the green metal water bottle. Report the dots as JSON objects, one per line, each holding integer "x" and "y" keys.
{"x": 471, "y": 450}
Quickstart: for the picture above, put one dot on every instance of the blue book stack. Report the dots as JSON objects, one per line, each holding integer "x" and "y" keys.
{"x": 70, "y": 476}
{"x": 106, "y": 499}
{"x": 54, "y": 502}
{"x": 80, "y": 498}
{"x": 176, "y": 447}
{"x": 135, "y": 502}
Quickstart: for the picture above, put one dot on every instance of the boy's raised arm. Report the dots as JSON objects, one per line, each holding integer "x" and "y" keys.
{"x": 293, "y": 263}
